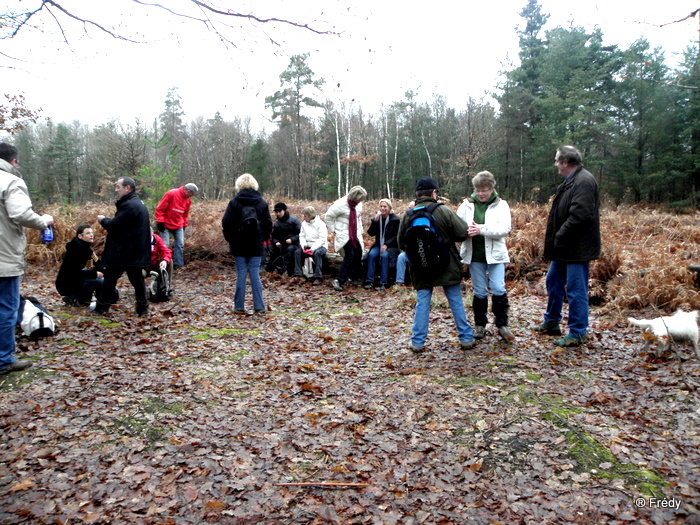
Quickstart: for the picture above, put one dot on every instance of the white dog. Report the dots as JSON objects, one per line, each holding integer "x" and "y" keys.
{"x": 680, "y": 327}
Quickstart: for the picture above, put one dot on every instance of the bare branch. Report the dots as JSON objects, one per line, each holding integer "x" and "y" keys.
{"x": 82, "y": 20}
{"x": 691, "y": 15}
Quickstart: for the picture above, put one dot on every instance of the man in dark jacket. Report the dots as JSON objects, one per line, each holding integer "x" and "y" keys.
{"x": 571, "y": 241}
{"x": 80, "y": 273}
{"x": 127, "y": 247}
{"x": 285, "y": 241}
{"x": 452, "y": 229}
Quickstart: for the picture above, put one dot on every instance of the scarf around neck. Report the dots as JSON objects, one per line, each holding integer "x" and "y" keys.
{"x": 353, "y": 224}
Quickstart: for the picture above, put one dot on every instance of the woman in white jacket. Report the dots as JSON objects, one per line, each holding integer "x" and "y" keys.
{"x": 313, "y": 242}
{"x": 344, "y": 218}
{"x": 488, "y": 217}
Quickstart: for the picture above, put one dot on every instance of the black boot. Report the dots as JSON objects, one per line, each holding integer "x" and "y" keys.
{"x": 480, "y": 307}
{"x": 499, "y": 306}
{"x": 141, "y": 308}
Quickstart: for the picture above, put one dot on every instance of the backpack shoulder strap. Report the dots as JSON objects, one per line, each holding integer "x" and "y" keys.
{"x": 430, "y": 209}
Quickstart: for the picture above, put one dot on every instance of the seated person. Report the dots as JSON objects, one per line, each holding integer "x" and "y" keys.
{"x": 285, "y": 241}
{"x": 401, "y": 263}
{"x": 161, "y": 255}
{"x": 79, "y": 275}
{"x": 384, "y": 228}
{"x": 161, "y": 261}
{"x": 313, "y": 242}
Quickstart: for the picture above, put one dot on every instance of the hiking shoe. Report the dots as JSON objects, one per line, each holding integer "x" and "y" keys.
{"x": 416, "y": 349}
{"x": 381, "y": 288}
{"x": 368, "y": 286}
{"x": 17, "y": 366}
{"x": 317, "y": 281}
{"x": 479, "y": 332}
{"x": 547, "y": 328}
{"x": 467, "y": 345}
{"x": 239, "y": 312}
{"x": 506, "y": 334}
{"x": 260, "y": 312}
{"x": 570, "y": 340}
{"x": 336, "y": 285}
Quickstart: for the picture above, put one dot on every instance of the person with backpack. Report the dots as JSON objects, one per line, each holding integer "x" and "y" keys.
{"x": 384, "y": 228}
{"x": 485, "y": 251}
{"x": 344, "y": 219}
{"x": 246, "y": 226}
{"x": 80, "y": 274}
{"x": 428, "y": 234}
{"x": 16, "y": 214}
{"x": 161, "y": 257}
{"x": 285, "y": 241}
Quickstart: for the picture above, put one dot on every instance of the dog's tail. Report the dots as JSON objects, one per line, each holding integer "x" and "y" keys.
{"x": 641, "y": 323}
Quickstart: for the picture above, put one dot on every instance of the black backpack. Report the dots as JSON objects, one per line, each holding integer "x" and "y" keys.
{"x": 159, "y": 290}
{"x": 425, "y": 249}
{"x": 249, "y": 229}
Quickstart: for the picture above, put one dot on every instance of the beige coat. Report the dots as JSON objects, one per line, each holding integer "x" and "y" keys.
{"x": 338, "y": 222}
{"x": 16, "y": 213}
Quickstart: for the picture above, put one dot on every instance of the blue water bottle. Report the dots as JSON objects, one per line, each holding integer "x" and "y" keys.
{"x": 47, "y": 235}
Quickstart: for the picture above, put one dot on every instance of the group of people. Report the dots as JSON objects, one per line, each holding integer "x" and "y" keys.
{"x": 131, "y": 247}
{"x": 572, "y": 240}
{"x": 480, "y": 225}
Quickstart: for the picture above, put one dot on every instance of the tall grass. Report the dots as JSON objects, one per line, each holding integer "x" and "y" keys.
{"x": 645, "y": 259}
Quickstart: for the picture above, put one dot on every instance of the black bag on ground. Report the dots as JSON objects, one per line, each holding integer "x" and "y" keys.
{"x": 159, "y": 290}
{"x": 425, "y": 249}
{"x": 33, "y": 319}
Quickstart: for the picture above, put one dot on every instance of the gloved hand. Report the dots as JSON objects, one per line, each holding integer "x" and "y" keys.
{"x": 160, "y": 226}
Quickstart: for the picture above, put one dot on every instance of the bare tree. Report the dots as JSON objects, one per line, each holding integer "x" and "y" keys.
{"x": 224, "y": 23}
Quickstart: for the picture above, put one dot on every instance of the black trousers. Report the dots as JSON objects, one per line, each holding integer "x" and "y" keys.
{"x": 351, "y": 267}
{"x": 112, "y": 275}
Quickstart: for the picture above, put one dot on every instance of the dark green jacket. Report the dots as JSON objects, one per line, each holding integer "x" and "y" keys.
{"x": 452, "y": 230}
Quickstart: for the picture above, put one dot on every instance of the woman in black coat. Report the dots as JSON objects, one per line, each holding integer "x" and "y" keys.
{"x": 384, "y": 228}
{"x": 80, "y": 272}
{"x": 247, "y": 225}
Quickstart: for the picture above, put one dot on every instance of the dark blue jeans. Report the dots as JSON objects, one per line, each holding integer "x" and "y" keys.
{"x": 568, "y": 280}
{"x": 9, "y": 304}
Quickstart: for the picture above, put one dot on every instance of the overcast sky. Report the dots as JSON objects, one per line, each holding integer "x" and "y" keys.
{"x": 455, "y": 49}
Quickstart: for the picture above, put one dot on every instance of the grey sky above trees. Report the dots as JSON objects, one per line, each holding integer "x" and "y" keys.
{"x": 378, "y": 54}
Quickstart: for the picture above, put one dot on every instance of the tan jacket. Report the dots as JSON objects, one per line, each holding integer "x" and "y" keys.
{"x": 16, "y": 213}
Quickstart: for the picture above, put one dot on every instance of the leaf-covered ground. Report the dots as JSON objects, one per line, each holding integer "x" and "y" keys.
{"x": 195, "y": 415}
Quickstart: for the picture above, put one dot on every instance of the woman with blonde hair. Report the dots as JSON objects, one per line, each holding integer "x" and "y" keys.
{"x": 384, "y": 228}
{"x": 247, "y": 225}
{"x": 344, "y": 218}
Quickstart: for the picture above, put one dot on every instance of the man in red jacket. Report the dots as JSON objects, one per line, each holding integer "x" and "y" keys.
{"x": 172, "y": 215}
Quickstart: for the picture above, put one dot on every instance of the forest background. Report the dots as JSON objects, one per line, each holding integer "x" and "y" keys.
{"x": 636, "y": 120}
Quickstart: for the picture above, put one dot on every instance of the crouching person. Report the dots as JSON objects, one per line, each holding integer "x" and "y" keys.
{"x": 80, "y": 274}
{"x": 313, "y": 242}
